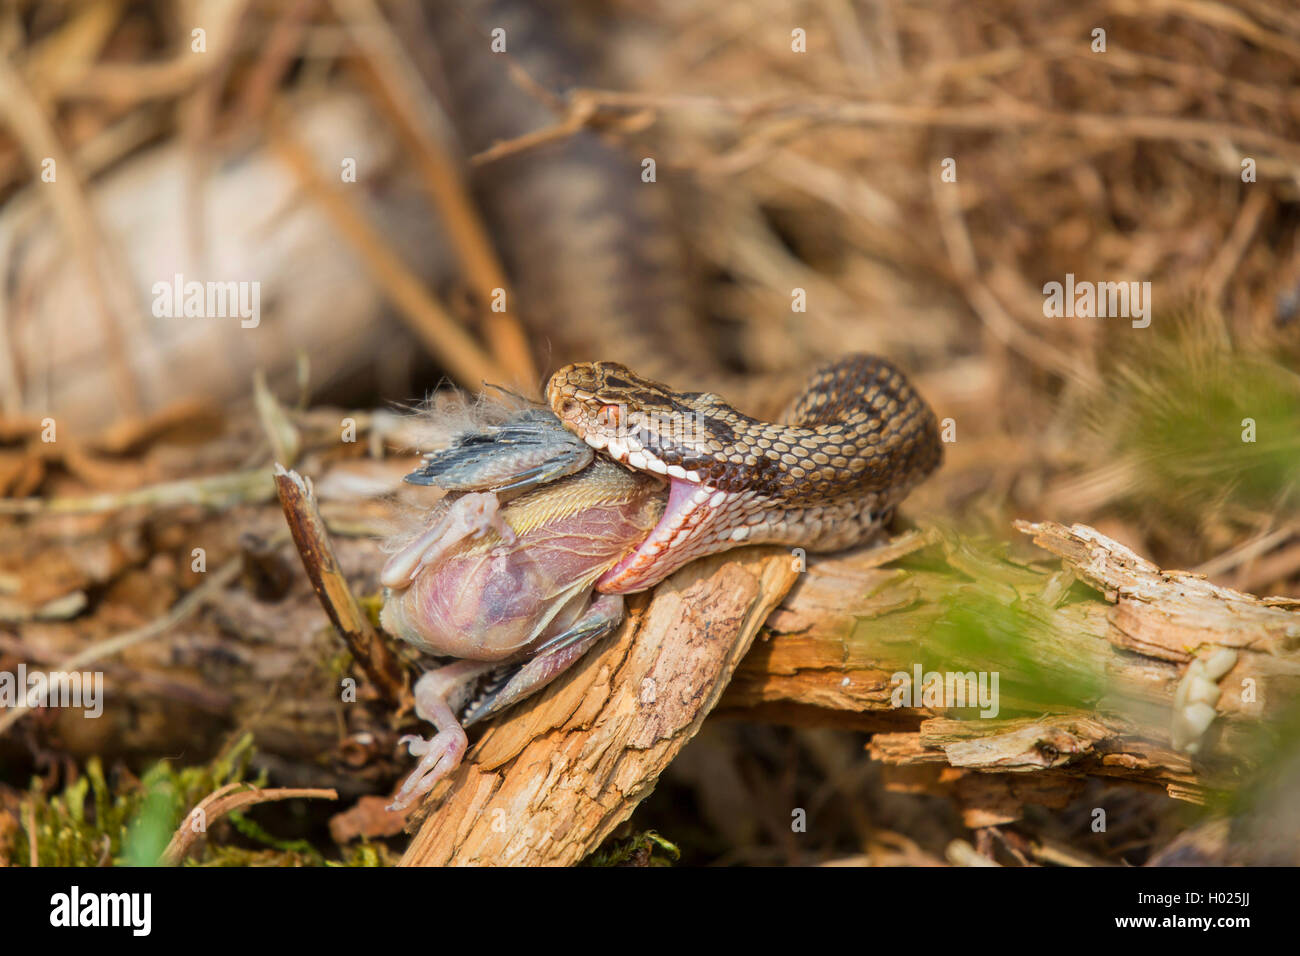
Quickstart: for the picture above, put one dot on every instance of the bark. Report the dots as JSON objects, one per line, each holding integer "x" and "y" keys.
{"x": 548, "y": 784}
{"x": 833, "y": 645}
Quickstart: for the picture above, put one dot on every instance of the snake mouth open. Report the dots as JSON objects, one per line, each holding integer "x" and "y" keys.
{"x": 675, "y": 538}
{"x": 680, "y": 514}
{"x": 857, "y": 437}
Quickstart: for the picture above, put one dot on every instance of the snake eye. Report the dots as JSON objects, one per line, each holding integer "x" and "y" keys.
{"x": 608, "y": 416}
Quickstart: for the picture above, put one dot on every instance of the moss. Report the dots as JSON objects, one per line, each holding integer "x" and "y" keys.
{"x": 646, "y": 848}
{"x": 129, "y": 821}
{"x": 362, "y": 854}
{"x": 92, "y": 823}
{"x": 977, "y": 610}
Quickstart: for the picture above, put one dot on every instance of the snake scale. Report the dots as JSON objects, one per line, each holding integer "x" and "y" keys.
{"x": 856, "y": 441}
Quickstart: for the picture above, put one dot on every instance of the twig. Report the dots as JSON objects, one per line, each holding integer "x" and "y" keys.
{"x": 322, "y": 567}
{"x": 233, "y": 796}
{"x": 397, "y": 86}
{"x": 445, "y": 339}
{"x": 575, "y": 119}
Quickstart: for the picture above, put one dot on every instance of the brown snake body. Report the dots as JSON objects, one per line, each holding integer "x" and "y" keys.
{"x": 857, "y": 439}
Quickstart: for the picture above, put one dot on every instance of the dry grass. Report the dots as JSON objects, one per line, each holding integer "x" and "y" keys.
{"x": 818, "y": 170}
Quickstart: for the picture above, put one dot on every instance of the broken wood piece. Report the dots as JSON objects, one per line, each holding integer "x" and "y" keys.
{"x": 369, "y": 650}
{"x": 548, "y": 783}
{"x": 1089, "y": 676}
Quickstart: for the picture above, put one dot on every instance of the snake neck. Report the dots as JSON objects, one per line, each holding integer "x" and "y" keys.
{"x": 699, "y": 520}
{"x": 859, "y": 439}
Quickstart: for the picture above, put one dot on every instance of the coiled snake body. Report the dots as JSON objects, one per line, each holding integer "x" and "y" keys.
{"x": 857, "y": 439}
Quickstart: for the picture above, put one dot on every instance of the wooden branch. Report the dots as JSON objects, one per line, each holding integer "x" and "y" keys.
{"x": 850, "y": 625}
{"x": 548, "y": 784}
{"x": 374, "y": 656}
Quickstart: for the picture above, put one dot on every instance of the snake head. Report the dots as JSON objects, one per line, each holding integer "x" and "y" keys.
{"x": 594, "y": 396}
{"x": 638, "y": 422}
{"x": 855, "y": 442}
{"x": 592, "y": 400}
{"x": 648, "y": 428}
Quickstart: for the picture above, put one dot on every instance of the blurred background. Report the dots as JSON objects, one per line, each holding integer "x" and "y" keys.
{"x": 396, "y": 195}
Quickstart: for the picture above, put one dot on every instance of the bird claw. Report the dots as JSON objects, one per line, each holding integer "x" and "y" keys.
{"x": 439, "y": 756}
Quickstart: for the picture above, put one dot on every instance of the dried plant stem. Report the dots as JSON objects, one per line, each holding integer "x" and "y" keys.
{"x": 445, "y": 339}
{"x": 67, "y": 196}
{"x": 396, "y": 85}
{"x": 322, "y": 567}
{"x": 216, "y": 491}
{"x": 233, "y": 796}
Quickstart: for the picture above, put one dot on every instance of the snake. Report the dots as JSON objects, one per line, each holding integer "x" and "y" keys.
{"x": 596, "y": 268}
{"x": 851, "y": 445}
